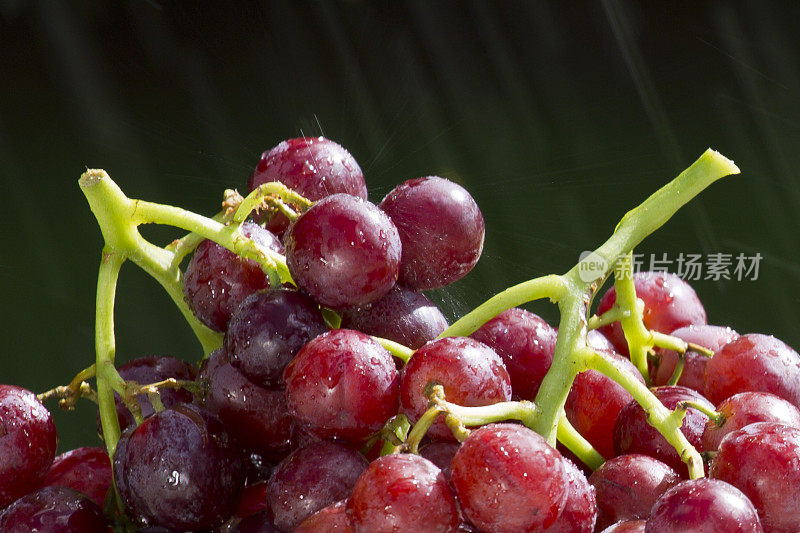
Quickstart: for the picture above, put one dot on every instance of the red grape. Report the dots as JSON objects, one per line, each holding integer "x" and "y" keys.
{"x": 694, "y": 368}
{"x": 703, "y": 506}
{"x": 217, "y": 280}
{"x": 580, "y": 509}
{"x": 403, "y": 315}
{"x": 754, "y": 362}
{"x": 342, "y": 384}
{"x": 344, "y": 252}
{"x": 87, "y": 470}
{"x": 315, "y": 167}
{"x": 53, "y": 510}
{"x": 763, "y": 461}
{"x": 508, "y": 479}
{"x": 628, "y": 486}
{"x": 471, "y": 373}
{"x": 402, "y": 492}
{"x": 27, "y": 442}
{"x": 332, "y": 518}
{"x": 441, "y": 229}
{"x": 526, "y": 343}
{"x": 626, "y": 526}
{"x": 747, "y": 408}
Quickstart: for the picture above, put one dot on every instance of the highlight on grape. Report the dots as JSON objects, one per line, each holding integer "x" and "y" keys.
{"x": 329, "y": 393}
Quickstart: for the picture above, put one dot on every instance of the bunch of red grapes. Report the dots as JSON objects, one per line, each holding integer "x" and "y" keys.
{"x": 286, "y": 435}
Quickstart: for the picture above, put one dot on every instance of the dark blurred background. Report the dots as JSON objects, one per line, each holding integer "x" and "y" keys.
{"x": 558, "y": 117}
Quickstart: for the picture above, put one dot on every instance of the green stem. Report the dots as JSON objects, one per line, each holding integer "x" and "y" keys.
{"x": 715, "y": 416}
{"x": 609, "y": 317}
{"x": 398, "y": 350}
{"x": 577, "y": 444}
{"x": 667, "y": 422}
{"x": 551, "y": 286}
{"x": 272, "y": 189}
{"x": 105, "y": 346}
{"x": 640, "y": 339}
{"x": 678, "y": 372}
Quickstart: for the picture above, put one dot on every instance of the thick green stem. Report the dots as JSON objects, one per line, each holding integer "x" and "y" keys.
{"x": 551, "y": 286}
{"x": 398, "y": 350}
{"x": 574, "y": 441}
{"x": 105, "y": 346}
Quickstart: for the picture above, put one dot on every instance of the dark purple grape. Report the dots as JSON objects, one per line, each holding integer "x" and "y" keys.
{"x": 179, "y": 469}
{"x": 403, "y": 315}
{"x": 87, "y": 470}
{"x": 27, "y": 442}
{"x": 152, "y": 369}
{"x": 257, "y": 417}
{"x": 763, "y": 461}
{"x": 344, "y": 252}
{"x": 402, "y": 492}
{"x": 312, "y": 478}
{"x": 441, "y": 228}
{"x": 627, "y": 487}
{"x": 580, "y": 509}
{"x": 332, "y": 518}
{"x": 53, "y": 510}
{"x": 694, "y": 368}
{"x": 268, "y": 330}
{"x": 754, "y": 362}
{"x": 217, "y": 280}
{"x": 441, "y": 454}
{"x": 315, "y": 167}
{"x": 508, "y": 479}
{"x": 633, "y": 433}
{"x": 595, "y": 401}
{"x": 342, "y": 384}
{"x": 526, "y": 343}
{"x": 670, "y": 303}
{"x": 747, "y": 408}
{"x": 471, "y": 373}
{"x": 703, "y": 506}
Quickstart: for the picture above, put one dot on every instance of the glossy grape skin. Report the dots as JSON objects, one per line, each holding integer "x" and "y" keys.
{"x": 253, "y": 500}
{"x": 86, "y": 470}
{"x": 754, "y": 362}
{"x": 471, "y": 373}
{"x": 152, "y": 369}
{"x": 748, "y": 408}
{"x": 53, "y": 509}
{"x": 508, "y": 479}
{"x": 763, "y": 461}
{"x": 627, "y": 526}
{"x": 28, "y": 442}
{"x": 312, "y": 478}
{"x": 315, "y": 167}
{"x": 344, "y": 252}
{"x": 628, "y": 485}
{"x": 331, "y": 518}
{"x": 257, "y": 417}
{"x": 526, "y": 344}
{"x": 598, "y": 341}
{"x": 703, "y": 506}
{"x": 633, "y": 434}
{"x": 179, "y": 469}
{"x": 268, "y": 330}
{"x": 595, "y": 401}
{"x": 402, "y": 492}
{"x": 670, "y": 303}
{"x": 694, "y": 368}
{"x": 403, "y": 315}
{"x": 342, "y": 384}
{"x": 580, "y": 509}
{"x": 441, "y": 228}
{"x": 217, "y": 280}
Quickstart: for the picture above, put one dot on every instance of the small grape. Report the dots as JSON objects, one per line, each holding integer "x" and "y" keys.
{"x": 441, "y": 228}
{"x": 344, "y": 252}
{"x": 53, "y": 510}
{"x": 747, "y": 408}
{"x": 87, "y": 470}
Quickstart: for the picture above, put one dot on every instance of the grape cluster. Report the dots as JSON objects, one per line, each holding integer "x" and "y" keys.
{"x": 334, "y": 404}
